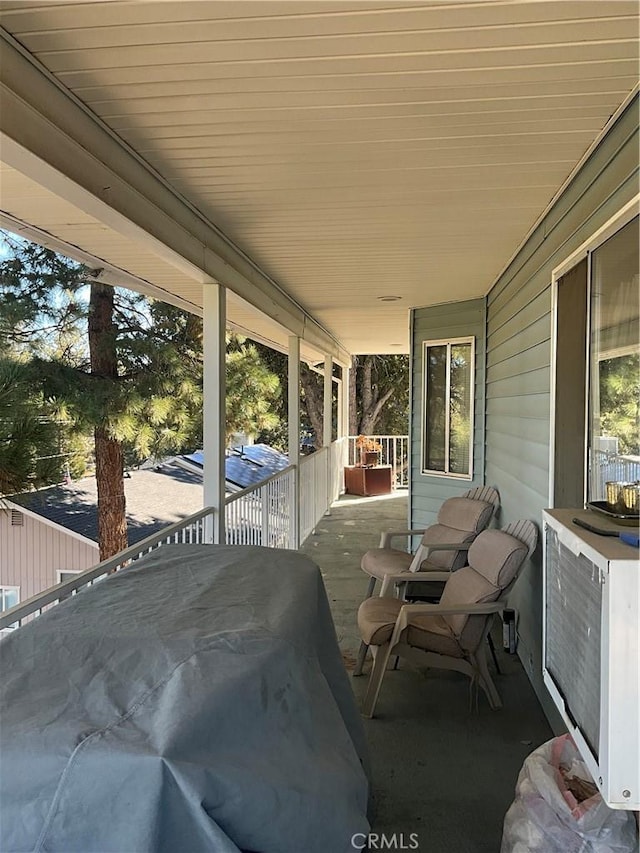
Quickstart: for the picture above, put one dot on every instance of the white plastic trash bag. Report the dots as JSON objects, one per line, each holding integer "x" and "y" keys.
{"x": 546, "y": 817}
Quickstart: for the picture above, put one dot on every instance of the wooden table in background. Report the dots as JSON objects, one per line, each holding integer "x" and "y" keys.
{"x": 367, "y": 481}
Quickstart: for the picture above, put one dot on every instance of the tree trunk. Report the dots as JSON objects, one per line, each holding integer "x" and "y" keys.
{"x": 372, "y": 402}
{"x": 370, "y": 417}
{"x": 112, "y": 521}
{"x": 353, "y": 397}
{"x": 366, "y": 389}
{"x": 314, "y": 402}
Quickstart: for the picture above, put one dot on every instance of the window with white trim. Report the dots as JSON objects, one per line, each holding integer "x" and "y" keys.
{"x": 596, "y": 395}
{"x": 66, "y": 575}
{"x": 614, "y": 357}
{"x": 9, "y": 597}
{"x": 448, "y": 371}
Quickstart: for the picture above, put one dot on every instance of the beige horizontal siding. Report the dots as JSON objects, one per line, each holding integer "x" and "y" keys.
{"x": 32, "y": 554}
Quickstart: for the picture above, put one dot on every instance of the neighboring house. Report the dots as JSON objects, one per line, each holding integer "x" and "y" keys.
{"x": 51, "y": 533}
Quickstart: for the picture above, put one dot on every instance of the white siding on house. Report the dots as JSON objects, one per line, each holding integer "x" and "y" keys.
{"x": 31, "y": 554}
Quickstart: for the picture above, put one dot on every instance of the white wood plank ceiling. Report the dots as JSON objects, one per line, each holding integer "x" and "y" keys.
{"x": 354, "y": 150}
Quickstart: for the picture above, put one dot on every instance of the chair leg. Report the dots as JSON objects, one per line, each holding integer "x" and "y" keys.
{"x": 486, "y": 681}
{"x": 362, "y": 655}
{"x": 492, "y": 649}
{"x": 371, "y": 587}
{"x": 362, "y": 651}
{"x": 380, "y": 661}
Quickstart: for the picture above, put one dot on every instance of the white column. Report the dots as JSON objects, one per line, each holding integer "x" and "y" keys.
{"x": 327, "y": 427}
{"x": 346, "y": 377}
{"x": 214, "y": 406}
{"x": 294, "y": 434}
{"x": 327, "y": 420}
{"x": 344, "y": 420}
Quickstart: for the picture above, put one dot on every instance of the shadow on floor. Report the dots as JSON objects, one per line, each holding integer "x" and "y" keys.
{"x": 440, "y": 771}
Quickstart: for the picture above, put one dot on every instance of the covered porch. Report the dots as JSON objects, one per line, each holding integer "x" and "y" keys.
{"x": 439, "y": 768}
{"x": 337, "y": 178}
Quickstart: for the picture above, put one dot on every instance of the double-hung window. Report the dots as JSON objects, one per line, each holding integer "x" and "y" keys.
{"x": 447, "y": 413}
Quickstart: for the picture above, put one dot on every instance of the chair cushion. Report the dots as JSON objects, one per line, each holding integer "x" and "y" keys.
{"x": 432, "y": 633}
{"x": 383, "y": 561}
{"x": 377, "y": 618}
{"x": 465, "y": 514}
{"x": 466, "y": 586}
{"x": 445, "y": 560}
{"x": 497, "y": 557}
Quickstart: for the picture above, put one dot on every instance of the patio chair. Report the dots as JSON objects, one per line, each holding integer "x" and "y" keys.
{"x": 451, "y": 634}
{"x": 443, "y": 546}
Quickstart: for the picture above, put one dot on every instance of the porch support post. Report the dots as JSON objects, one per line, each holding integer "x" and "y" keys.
{"x": 346, "y": 383}
{"x": 327, "y": 420}
{"x": 214, "y": 407}
{"x": 327, "y": 428}
{"x": 294, "y": 435}
{"x": 344, "y": 401}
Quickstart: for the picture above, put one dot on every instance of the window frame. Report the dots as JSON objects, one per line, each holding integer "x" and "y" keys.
{"x": 448, "y": 342}
{"x": 8, "y": 588}
{"x": 60, "y": 572}
{"x": 585, "y": 251}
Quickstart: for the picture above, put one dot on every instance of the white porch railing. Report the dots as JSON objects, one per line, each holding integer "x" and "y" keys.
{"x": 321, "y": 481}
{"x": 394, "y": 451}
{"x": 314, "y": 490}
{"x": 193, "y": 529}
{"x": 610, "y": 466}
{"x": 261, "y": 515}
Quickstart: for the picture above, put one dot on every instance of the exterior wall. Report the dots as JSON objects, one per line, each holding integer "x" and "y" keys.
{"x": 450, "y": 320}
{"x": 31, "y": 555}
{"x": 518, "y": 392}
{"x": 517, "y": 396}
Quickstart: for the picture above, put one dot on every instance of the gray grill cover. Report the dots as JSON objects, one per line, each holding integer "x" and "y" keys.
{"x": 196, "y": 701}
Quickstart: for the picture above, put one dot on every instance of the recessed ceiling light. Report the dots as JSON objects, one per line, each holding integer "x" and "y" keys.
{"x": 395, "y": 345}
{"x": 389, "y": 298}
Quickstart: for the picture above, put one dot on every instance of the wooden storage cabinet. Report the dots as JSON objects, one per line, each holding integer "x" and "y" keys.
{"x": 367, "y": 481}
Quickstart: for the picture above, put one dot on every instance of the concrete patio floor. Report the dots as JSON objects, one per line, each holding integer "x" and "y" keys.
{"x": 440, "y": 771}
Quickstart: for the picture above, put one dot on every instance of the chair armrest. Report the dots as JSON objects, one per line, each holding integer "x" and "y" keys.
{"x": 418, "y": 577}
{"x": 424, "y": 551}
{"x": 387, "y": 535}
{"x": 448, "y": 546}
{"x": 483, "y": 609}
{"x": 405, "y": 577}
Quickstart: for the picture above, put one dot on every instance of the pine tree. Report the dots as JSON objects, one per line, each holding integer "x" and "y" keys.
{"x": 114, "y": 380}
{"x": 113, "y": 363}
{"x": 253, "y": 390}
{"x": 29, "y": 455}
